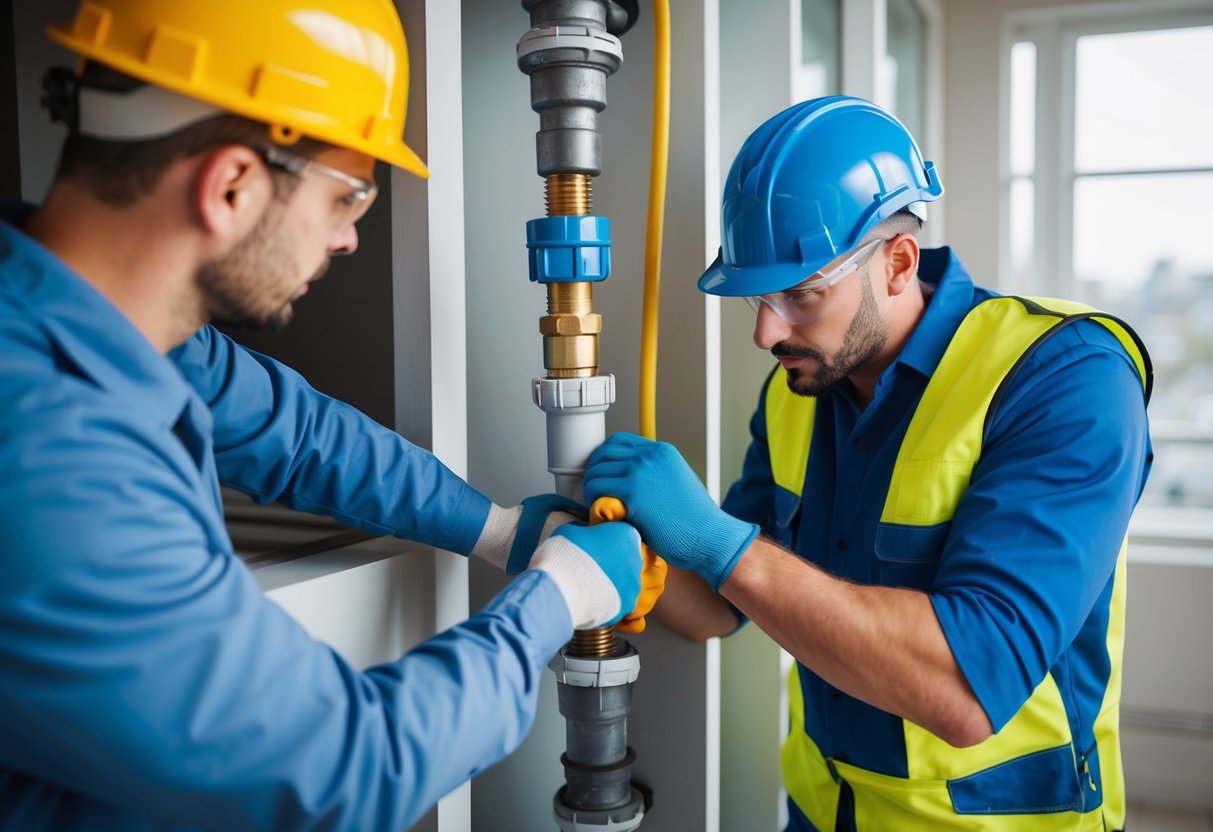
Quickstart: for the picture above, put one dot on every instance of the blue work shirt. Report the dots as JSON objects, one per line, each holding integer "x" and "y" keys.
{"x": 1021, "y": 578}
{"x": 145, "y": 681}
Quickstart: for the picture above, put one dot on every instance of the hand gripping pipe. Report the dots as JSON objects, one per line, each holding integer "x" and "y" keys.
{"x": 568, "y": 53}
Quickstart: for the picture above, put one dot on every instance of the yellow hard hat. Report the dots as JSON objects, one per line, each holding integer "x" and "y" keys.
{"x": 333, "y": 70}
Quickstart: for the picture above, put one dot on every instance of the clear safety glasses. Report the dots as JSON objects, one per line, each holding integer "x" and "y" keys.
{"x": 798, "y": 304}
{"x": 352, "y": 206}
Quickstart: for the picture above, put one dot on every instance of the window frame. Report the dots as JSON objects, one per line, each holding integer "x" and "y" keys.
{"x": 1055, "y": 33}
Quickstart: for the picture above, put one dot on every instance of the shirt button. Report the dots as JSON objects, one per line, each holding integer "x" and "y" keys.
{"x": 840, "y": 545}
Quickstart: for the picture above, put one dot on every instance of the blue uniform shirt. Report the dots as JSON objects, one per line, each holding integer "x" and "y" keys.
{"x": 145, "y": 681}
{"x": 1021, "y": 578}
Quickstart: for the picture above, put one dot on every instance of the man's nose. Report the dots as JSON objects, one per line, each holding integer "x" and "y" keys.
{"x": 344, "y": 240}
{"x": 769, "y": 328}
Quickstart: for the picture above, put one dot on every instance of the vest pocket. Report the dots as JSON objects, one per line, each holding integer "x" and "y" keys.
{"x": 1039, "y": 783}
{"x": 908, "y": 556}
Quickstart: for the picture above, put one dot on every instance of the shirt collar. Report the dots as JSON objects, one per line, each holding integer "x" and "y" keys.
{"x": 102, "y": 343}
{"x": 951, "y": 300}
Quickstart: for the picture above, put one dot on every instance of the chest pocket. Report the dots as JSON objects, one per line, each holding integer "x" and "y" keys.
{"x": 908, "y": 556}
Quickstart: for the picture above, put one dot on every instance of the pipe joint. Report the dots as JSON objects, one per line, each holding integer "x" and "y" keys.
{"x": 590, "y": 324}
{"x": 576, "y": 423}
{"x": 582, "y": 672}
{"x": 623, "y": 819}
{"x": 569, "y": 249}
{"x": 569, "y": 46}
{"x": 568, "y": 63}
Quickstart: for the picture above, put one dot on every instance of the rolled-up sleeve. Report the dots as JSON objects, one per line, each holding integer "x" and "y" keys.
{"x": 1036, "y": 537}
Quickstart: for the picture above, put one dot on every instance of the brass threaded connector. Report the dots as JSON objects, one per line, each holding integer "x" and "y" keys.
{"x": 596, "y": 643}
{"x": 568, "y": 194}
{"x": 570, "y": 298}
{"x": 570, "y": 331}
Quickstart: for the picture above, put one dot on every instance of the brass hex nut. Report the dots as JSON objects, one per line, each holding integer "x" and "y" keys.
{"x": 588, "y": 324}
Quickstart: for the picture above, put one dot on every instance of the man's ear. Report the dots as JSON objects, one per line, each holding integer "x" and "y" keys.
{"x": 232, "y": 189}
{"x": 903, "y": 262}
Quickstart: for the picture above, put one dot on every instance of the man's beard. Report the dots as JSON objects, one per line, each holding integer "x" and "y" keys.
{"x": 863, "y": 341}
{"x": 234, "y": 287}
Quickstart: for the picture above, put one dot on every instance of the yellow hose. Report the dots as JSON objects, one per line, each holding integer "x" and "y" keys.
{"x": 658, "y": 165}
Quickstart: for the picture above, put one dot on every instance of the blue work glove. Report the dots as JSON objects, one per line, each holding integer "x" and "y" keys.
{"x": 511, "y": 535}
{"x": 669, "y": 505}
{"x": 597, "y": 569}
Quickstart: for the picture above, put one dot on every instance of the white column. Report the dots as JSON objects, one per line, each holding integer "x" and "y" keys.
{"x": 429, "y": 318}
{"x": 760, "y": 47}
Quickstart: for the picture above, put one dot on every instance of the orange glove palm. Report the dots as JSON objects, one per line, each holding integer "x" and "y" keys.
{"x": 652, "y": 575}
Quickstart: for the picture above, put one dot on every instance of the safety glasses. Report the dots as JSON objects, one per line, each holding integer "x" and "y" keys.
{"x": 798, "y": 304}
{"x": 352, "y": 206}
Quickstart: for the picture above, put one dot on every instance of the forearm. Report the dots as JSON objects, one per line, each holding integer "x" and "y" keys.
{"x": 689, "y": 607}
{"x": 878, "y": 644}
{"x": 278, "y": 439}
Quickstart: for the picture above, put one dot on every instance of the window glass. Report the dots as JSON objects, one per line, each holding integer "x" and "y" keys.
{"x": 1023, "y": 213}
{"x": 1143, "y": 160}
{"x": 1023, "y": 109}
{"x": 905, "y": 65}
{"x": 1144, "y": 100}
{"x": 817, "y": 73}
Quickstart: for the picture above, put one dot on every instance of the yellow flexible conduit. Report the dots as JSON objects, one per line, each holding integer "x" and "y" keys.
{"x": 658, "y": 165}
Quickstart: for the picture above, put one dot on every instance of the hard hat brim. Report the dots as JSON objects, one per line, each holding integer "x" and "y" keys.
{"x": 403, "y": 157}
{"x": 743, "y": 281}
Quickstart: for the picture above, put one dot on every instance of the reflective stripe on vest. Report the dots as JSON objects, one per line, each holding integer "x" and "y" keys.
{"x": 951, "y": 787}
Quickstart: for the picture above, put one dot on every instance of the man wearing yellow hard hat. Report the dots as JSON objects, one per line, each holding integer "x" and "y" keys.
{"x": 219, "y": 153}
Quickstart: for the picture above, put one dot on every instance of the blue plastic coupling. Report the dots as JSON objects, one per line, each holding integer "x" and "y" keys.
{"x": 568, "y": 249}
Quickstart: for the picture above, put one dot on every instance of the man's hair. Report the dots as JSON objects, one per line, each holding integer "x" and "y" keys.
{"x": 904, "y": 221}
{"x": 119, "y": 173}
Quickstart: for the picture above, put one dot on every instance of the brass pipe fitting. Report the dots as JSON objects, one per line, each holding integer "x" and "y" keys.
{"x": 570, "y": 345}
{"x": 570, "y": 329}
{"x": 598, "y": 643}
{"x": 567, "y": 194}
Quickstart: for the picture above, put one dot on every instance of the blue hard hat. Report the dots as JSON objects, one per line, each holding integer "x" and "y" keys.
{"x": 807, "y": 186}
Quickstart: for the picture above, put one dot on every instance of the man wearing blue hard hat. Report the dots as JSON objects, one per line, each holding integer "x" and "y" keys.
{"x": 932, "y": 514}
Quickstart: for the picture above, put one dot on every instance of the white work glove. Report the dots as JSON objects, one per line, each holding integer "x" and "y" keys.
{"x": 511, "y": 535}
{"x": 597, "y": 569}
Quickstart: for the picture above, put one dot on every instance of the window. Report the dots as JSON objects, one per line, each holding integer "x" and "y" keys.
{"x": 1107, "y": 182}
{"x": 904, "y": 65}
{"x": 819, "y": 70}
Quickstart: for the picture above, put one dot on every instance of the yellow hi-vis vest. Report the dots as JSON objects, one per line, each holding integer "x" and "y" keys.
{"x": 931, "y": 473}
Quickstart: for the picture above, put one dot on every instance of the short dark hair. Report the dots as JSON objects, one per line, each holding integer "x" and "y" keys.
{"x": 119, "y": 173}
{"x": 904, "y": 221}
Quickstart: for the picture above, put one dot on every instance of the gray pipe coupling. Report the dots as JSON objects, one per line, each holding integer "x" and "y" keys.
{"x": 568, "y": 66}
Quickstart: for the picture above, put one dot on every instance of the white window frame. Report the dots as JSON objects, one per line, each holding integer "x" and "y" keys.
{"x": 864, "y": 45}
{"x": 1056, "y": 32}
{"x": 1171, "y": 534}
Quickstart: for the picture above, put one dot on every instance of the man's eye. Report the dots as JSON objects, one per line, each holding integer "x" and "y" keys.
{"x": 798, "y": 295}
